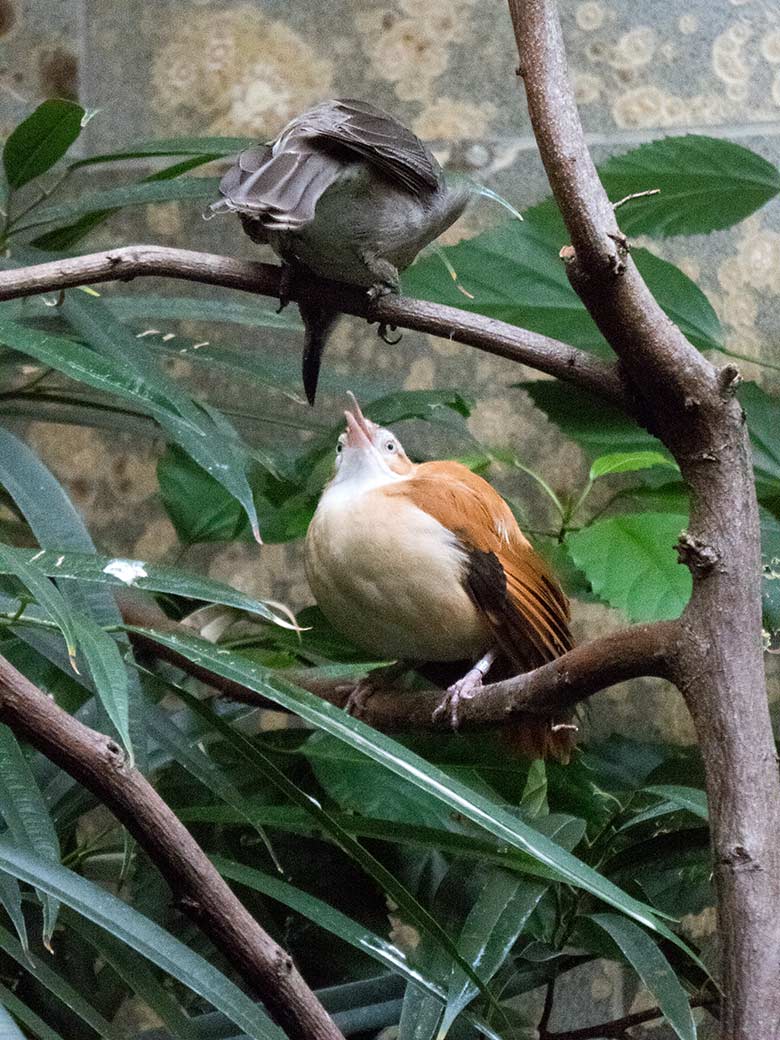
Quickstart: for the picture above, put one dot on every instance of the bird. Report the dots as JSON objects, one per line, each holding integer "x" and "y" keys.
{"x": 424, "y": 563}
{"x": 346, "y": 192}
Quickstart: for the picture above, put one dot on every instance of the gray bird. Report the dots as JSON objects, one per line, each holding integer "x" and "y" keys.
{"x": 347, "y": 192}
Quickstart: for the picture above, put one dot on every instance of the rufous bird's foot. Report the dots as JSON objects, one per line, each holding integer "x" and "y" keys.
{"x": 370, "y": 684}
{"x": 462, "y": 690}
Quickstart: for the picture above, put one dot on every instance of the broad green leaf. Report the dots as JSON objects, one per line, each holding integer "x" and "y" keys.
{"x": 595, "y": 425}
{"x": 689, "y": 798}
{"x": 27, "y": 816}
{"x": 516, "y": 275}
{"x": 10, "y": 1005}
{"x": 706, "y": 183}
{"x": 639, "y": 950}
{"x": 57, "y": 986}
{"x": 534, "y": 798}
{"x": 631, "y": 563}
{"x": 44, "y": 137}
{"x": 120, "y": 572}
{"x": 627, "y": 462}
{"x": 225, "y": 458}
{"x": 179, "y": 189}
{"x": 557, "y": 863}
{"x": 142, "y": 935}
{"x": 167, "y": 146}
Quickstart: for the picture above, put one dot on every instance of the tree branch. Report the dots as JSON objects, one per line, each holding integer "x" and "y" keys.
{"x": 551, "y": 689}
{"x": 718, "y": 663}
{"x": 494, "y": 337}
{"x": 618, "y": 1028}
{"x": 98, "y": 763}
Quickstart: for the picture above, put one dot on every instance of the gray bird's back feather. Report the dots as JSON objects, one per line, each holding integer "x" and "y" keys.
{"x": 280, "y": 184}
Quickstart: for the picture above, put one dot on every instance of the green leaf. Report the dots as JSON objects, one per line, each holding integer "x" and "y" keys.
{"x": 27, "y": 816}
{"x": 638, "y": 949}
{"x": 57, "y": 986}
{"x": 44, "y": 137}
{"x": 770, "y": 581}
{"x": 689, "y": 798}
{"x": 11, "y": 901}
{"x": 706, "y": 183}
{"x": 119, "y": 572}
{"x": 142, "y": 935}
{"x": 554, "y": 861}
{"x": 631, "y": 564}
{"x": 489, "y": 932}
{"x": 216, "y": 147}
{"x": 628, "y": 462}
{"x": 517, "y": 276}
{"x": 763, "y": 417}
{"x": 193, "y": 308}
{"x": 10, "y": 1004}
{"x": 177, "y": 190}
{"x": 209, "y": 442}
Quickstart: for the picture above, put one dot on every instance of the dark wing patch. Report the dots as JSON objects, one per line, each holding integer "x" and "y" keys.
{"x": 486, "y": 583}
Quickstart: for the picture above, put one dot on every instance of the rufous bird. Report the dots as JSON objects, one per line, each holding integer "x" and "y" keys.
{"x": 426, "y": 563}
{"x": 349, "y": 193}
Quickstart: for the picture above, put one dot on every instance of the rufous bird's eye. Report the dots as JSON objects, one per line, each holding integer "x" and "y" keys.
{"x": 390, "y": 446}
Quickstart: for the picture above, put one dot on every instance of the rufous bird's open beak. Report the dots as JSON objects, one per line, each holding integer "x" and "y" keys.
{"x": 360, "y": 430}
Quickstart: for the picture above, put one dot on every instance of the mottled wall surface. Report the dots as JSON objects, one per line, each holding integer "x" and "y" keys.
{"x": 446, "y": 67}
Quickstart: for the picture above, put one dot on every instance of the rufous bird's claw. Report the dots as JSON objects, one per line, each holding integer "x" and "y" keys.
{"x": 360, "y": 695}
{"x": 462, "y": 690}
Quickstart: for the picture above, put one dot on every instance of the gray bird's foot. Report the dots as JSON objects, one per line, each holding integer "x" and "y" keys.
{"x": 462, "y": 690}
{"x": 384, "y": 331}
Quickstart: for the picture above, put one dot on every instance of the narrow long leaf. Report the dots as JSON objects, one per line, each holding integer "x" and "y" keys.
{"x": 27, "y": 816}
{"x": 57, "y": 986}
{"x": 401, "y": 761}
{"x": 10, "y": 1004}
{"x": 120, "y": 572}
{"x": 653, "y": 969}
{"x": 142, "y": 935}
{"x": 11, "y": 900}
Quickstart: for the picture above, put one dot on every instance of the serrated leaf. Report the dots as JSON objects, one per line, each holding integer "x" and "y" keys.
{"x": 516, "y": 275}
{"x": 41, "y": 140}
{"x": 628, "y": 462}
{"x": 706, "y": 183}
{"x": 631, "y": 563}
{"x": 653, "y": 969}
{"x": 142, "y": 935}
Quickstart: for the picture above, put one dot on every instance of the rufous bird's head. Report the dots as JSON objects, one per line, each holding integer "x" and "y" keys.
{"x": 367, "y": 452}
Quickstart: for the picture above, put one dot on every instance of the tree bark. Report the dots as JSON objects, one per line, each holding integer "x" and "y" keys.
{"x": 691, "y": 407}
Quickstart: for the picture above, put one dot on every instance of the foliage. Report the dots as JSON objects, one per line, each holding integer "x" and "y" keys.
{"x": 500, "y": 876}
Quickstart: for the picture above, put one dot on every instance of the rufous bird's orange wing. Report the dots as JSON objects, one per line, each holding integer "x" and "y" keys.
{"x": 509, "y": 582}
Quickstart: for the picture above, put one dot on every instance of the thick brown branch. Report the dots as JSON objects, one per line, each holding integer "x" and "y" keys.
{"x": 98, "y": 763}
{"x": 718, "y": 665}
{"x": 494, "y": 337}
{"x": 551, "y": 689}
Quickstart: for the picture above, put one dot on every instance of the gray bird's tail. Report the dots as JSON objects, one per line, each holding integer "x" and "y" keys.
{"x": 318, "y": 321}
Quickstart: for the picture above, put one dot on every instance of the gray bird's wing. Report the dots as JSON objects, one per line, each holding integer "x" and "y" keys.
{"x": 279, "y": 185}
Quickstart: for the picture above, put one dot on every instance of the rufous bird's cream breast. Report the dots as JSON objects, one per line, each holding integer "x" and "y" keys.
{"x": 390, "y": 577}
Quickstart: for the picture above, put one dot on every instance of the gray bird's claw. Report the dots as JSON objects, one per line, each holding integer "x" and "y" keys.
{"x": 384, "y": 334}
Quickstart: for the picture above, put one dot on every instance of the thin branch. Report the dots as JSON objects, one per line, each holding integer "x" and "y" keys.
{"x": 97, "y": 762}
{"x": 494, "y": 337}
{"x": 551, "y": 689}
{"x": 618, "y": 1027}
